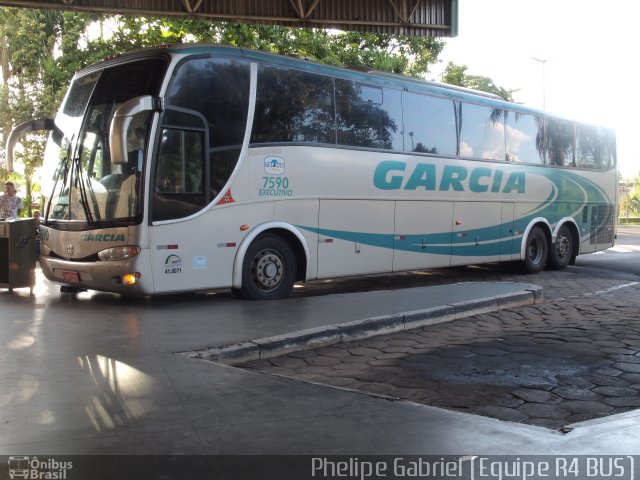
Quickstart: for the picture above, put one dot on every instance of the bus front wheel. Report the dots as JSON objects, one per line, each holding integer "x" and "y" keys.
{"x": 535, "y": 253}
{"x": 268, "y": 270}
{"x": 561, "y": 252}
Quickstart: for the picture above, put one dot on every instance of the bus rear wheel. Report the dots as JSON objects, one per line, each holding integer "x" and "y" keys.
{"x": 561, "y": 252}
{"x": 268, "y": 270}
{"x": 535, "y": 252}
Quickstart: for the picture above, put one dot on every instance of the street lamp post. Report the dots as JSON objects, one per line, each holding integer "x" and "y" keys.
{"x": 543, "y": 61}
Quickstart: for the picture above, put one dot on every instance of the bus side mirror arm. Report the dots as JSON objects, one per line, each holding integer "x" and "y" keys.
{"x": 22, "y": 129}
{"x": 121, "y": 121}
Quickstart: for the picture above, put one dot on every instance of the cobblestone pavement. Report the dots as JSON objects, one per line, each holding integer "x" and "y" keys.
{"x": 573, "y": 358}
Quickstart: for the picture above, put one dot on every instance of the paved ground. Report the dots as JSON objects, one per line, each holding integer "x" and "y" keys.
{"x": 574, "y": 358}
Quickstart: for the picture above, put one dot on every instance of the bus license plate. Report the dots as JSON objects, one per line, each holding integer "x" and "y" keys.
{"x": 71, "y": 277}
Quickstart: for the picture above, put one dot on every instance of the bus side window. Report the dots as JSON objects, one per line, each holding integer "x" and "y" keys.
{"x": 429, "y": 124}
{"x": 594, "y": 147}
{"x": 525, "y": 138}
{"x": 482, "y": 132}
{"x": 293, "y": 106}
{"x": 561, "y": 144}
{"x": 368, "y": 116}
{"x": 180, "y": 163}
{"x": 180, "y": 176}
{"x": 588, "y": 154}
{"x": 215, "y": 91}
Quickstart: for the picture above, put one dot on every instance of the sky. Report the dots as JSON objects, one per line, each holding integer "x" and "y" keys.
{"x": 590, "y": 48}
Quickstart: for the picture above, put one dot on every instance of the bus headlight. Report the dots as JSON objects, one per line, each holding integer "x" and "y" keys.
{"x": 118, "y": 253}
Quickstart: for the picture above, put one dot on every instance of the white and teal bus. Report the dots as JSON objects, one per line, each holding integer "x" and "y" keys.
{"x": 195, "y": 167}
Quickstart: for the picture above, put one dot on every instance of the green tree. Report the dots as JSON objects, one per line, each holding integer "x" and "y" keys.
{"x": 456, "y": 75}
{"x": 391, "y": 53}
{"x": 634, "y": 204}
{"x": 630, "y": 205}
{"x": 38, "y": 55}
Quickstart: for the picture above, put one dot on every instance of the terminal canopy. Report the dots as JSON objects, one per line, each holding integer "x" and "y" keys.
{"x": 433, "y": 18}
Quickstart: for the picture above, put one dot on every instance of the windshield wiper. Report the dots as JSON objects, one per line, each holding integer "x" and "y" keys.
{"x": 93, "y": 207}
{"x": 62, "y": 174}
{"x": 83, "y": 192}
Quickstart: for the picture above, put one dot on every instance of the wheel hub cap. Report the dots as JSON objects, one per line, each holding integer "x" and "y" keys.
{"x": 535, "y": 251}
{"x": 267, "y": 270}
{"x": 562, "y": 246}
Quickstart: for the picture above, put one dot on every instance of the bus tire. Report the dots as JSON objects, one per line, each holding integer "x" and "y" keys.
{"x": 237, "y": 293}
{"x": 535, "y": 252}
{"x": 269, "y": 269}
{"x": 562, "y": 251}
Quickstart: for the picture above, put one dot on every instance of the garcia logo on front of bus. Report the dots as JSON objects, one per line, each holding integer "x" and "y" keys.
{"x": 103, "y": 237}
{"x": 393, "y": 175}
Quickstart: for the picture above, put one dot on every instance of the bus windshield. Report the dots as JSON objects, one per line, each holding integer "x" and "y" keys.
{"x": 83, "y": 184}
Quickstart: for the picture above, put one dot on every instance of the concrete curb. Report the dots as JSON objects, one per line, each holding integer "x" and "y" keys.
{"x": 278, "y": 345}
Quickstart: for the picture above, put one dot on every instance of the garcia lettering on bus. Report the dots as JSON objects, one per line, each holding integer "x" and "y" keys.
{"x": 392, "y": 175}
{"x": 103, "y": 237}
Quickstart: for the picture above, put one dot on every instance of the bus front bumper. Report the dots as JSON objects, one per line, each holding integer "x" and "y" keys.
{"x": 112, "y": 276}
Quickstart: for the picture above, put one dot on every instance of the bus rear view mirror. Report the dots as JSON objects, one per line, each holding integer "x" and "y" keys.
{"x": 22, "y": 129}
{"x": 121, "y": 121}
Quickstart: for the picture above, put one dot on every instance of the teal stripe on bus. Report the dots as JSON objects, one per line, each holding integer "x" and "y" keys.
{"x": 488, "y": 241}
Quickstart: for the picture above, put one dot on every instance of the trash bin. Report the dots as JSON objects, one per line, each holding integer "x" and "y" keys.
{"x": 17, "y": 254}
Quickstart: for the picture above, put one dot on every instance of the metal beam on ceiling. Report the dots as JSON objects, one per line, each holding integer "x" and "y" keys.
{"x": 437, "y": 18}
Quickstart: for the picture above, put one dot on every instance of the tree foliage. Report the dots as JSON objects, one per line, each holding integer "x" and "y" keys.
{"x": 456, "y": 75}
{"x": 392, "y": 53}
{"x": 38, "y": 55}
{"x": 630, "y": 202}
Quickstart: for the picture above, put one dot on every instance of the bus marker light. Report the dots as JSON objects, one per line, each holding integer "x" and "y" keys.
{"x": 174, "y": 246}
{"x": 130, "y": 278}
{"x": 244, "y": 228}
{"x": 458, "y": 222}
